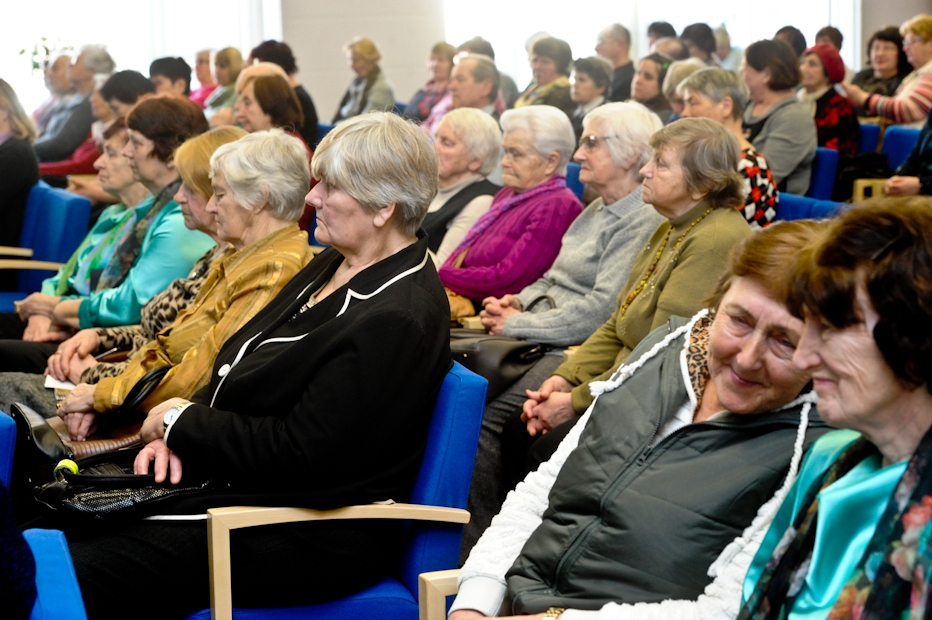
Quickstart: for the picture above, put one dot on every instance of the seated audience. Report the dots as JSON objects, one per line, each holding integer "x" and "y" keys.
{"x": 370, "y": 89}
{"x": 268, "y": 101}
{"x": 678, "y": 71}
{"x": 474, "y": 83}
{"x": 590, "y": 81}
{"x": 886, "y": 64}
{"x": 614, "y": 45}
{"x": 156, "y": 250}
{"x": 550, "y": 60}
{"x": 171, "y": 75}
{"x": 700, "y": 41}
{"x": 228, "y": 62}
{"x": 280, "y": 53}
{"x": 852, "y": 536}
{"x": 793, "y": 37}
{"x": 671, "y": 47}
{"x": 518, "y": 238}
{"x": 509, "y": 90}
{"x": 659, "y": 30}
{"x": 729, "y": 56}
{"x": 836, "y": 123}
{"x": 204, "y": 77}
{"x": 578, "y": 293}
{"x": 362, "y": 449}
{"x": 439, "y": 66}
{"x": 647, "y": 82}
{"x": 59, "y": 87}
{"x": 18, "y": 171}
{"x": 70, "y": 126}
{"x": 624, "y": 515}
{"x": 911, "y": 102}
{"x": 914, "y": 176}
{"x": 719, "y": 95}
{"x": 775, "y": 122}
{"x": 830, "y": 35}
{"x": 469, "y": 146}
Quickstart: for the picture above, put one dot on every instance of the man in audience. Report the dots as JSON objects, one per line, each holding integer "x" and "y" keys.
{"x": 614, "y": 44}
{"x": 68, "y": 128}
{"x": 832, "y": 36}
{"x": 60, "y": 92}
{"x": 794, "y": 37}
{"x": 659, "y": 30}
{"x": 474, "y": 83}
{"x": 509, "y": 90}
{"x": 171, "y": 75}
{"x": 671, "y": 47}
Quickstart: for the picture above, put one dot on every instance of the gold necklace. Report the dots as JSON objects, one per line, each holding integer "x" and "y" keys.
{"x": 653, "y": 266}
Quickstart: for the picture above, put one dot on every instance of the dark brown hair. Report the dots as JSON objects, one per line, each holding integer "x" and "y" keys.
{"x": 777, "y": 56}
{"x": 168, "y": 121}
{"x": 884, "y": 248}
{"x": 557, "y": 50}
{"x": 277, "y": 99}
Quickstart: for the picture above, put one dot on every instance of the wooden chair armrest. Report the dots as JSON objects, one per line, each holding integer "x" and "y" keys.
{"x": 8, "y": 250}
{"x": 15, "y": 263}
{"x": 221, "y": 520}
{"x": 433, "y": 590}
{"x": 861, "y": 187}
{"x": 471, "y": 322}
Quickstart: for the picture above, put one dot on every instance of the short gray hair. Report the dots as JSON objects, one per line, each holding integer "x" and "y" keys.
{"x": 716, "y": 84}
{"x": 484, "y": 69}
{"x": 631, "y": 125}
{"x": 620, "y": 33}
{"x": 550, "y": 129}
{"x": 678, "y": 71}
{"x": 98, "y": 59}
{"x": 380, "y": 159}
{"x": 265, "y": 166}
{"x": 480, "y": 133}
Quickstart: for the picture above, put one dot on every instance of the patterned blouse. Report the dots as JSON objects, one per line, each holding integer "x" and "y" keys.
{"x": 760, "y": 207}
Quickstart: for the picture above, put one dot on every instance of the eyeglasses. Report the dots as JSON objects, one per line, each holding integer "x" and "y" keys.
{"x": 909, "y": 42}
{"x": 590, "y": 142}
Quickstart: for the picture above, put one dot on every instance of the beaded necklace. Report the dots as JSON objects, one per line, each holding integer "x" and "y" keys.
{"x": 653, "y": 266}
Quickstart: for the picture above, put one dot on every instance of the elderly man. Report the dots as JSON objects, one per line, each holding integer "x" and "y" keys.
{"x": 474, "y": 83}
{"x": 60, "y": 91}
{"x": 614, "y": 45}
{"x": 67, "y": 129}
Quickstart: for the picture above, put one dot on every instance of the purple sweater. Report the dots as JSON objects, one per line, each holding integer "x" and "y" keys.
{"x": 516, "y": 249}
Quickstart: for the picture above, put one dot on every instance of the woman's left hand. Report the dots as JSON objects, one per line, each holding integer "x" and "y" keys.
{"x": 167, "y": 463}
{"x": 154, "y": 426}
{"x": 66, "y": 313}
{"x": 855, "y": 94}
{"x": 79, "y": 400}
{"x": 902, "y": 186}
{"x": 496, "y": 312}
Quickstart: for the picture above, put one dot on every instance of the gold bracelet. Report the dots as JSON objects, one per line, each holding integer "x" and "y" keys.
{"x": 554, "y": 612}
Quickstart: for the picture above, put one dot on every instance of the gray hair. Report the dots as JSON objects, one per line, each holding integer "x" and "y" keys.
{"x": 480, "y": 134}
{"x": 97, "y": 59}
{"x": 620, "y": 33}
{"x": 380, "y": 159}
{"x": 484, "y": 69}
{"x": 632, "y": 125}
{"x": 550, "y": 128}
{"x": 265, "y": 167}
{"x": 716, "y": 84}
{"x": 678, "y": 71}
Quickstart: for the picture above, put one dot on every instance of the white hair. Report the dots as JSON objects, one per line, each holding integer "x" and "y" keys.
{"x": 98, "y": 59}
{"x": 630, "y": 125}
{"x": 550, "y": 129}
{"x": 480, "y": 133}
{"x": 265, "y": 167}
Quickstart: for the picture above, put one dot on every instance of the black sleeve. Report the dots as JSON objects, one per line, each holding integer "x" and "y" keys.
{"x": 75, "y": 131}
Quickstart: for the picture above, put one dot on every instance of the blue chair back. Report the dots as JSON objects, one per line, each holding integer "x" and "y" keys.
{"x": 869, "y": 138}
{"x": 59, "y": 597}
{"x": 793, "y": 207}
{"x": 54, "y": 226}
{"x": 572, "y": 179}
{"x": 822, "y": 180}
{"x": 322, "y": 130}
{"x": 7, "y": 443}
{"x": 898, "y": 143}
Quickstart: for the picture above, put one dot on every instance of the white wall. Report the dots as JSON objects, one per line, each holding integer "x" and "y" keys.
{"x": 316, "y": 30}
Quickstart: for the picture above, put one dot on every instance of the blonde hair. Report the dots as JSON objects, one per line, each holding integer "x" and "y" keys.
{"x": 192, "y": 159}
{"x": 920, "y": 25}
{"x": 365, "y": 47}
{"x": 230, "y": 57}
{"x": 21, "y": 125}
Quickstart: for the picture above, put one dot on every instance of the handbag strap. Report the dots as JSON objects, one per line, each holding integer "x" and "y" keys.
{"x": 145, "y": 386}
{"x": 540, "y": 298}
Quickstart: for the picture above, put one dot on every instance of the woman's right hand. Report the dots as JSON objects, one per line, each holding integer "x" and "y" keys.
{"x": 74, "y": 356}
{"x": 79, "y": 425}
{"x": 39, "y": 328}
{"x": 496, "y": 311}
{"x": 548, "y": 407}
{"x": 37, "y": 303}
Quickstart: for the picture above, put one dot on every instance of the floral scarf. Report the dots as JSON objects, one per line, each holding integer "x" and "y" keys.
{"x": 535, "y": 92}
{"x": 892, "y": 580}
{"x": 87, "y": 272}
{"x": 128, "y": 251}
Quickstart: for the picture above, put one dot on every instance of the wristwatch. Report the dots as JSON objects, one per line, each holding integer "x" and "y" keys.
{"x": 172, "y": 414}
{"x": 554, "y": 612}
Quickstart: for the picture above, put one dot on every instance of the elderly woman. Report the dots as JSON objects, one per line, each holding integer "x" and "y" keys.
{"x": 279, "y": 53}
{"x": 468, "y": 144}
{"x": 886, "y": 64}
{"x": 647, "y": 83}
{"x": 580, "y": 289}
{"x": 625, "y": 514}
{"x": 836, "y": 123}
{"x": 775, "y": 122}
{"x": 678, "y": 71}
{"x": 369, "y": 307}
{"x": 550, "y": 60}
{"x": 720, "y": 95}
{"x": 257, "y": 182}
{"x": 370, "y": 89}
{"x": 911, "y": 102}
{"x": 853, "y": 533}
{"x": 75, "y": 359}
{"x": 518, "y": 238}
{"x": 18, "y": 168}
{"x": 439, "y": 66}
{"x": 268, "y": 101}
{"x": 156, "y": 250}
{"x": 204, "y": 77}
{"x": 591, "y": 83}
{"x": 228, "y": 62}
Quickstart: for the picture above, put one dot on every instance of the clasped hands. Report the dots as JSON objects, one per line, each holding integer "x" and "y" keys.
{"x": 496, "y": 311}
{"x": 549, "y": 406}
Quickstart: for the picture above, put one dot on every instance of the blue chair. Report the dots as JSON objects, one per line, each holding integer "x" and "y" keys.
{"x": 869, "y": 138}
{"x": 898, "y": 143}
{"x": 55, "y": 224}
{"x": 322, "y": 130}
{"x": 7, "y": 443}
{"x": 572, "y": 179}
{"x": 793, "y": 207}
{"x": 433, "y": 540}
{"x": 824, "y": 168}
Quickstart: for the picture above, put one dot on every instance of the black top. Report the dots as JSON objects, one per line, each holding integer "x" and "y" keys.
{"x": 309, "y": 131}
{"x": 19, "y": 171}
{"x": 621, "y": 83}
{"x": 437, "y": 222}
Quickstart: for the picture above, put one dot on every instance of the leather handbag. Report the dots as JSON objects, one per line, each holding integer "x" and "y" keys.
{"x": 502, "y": 360}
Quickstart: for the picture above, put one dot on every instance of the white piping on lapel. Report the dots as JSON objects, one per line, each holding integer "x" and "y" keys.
{"x": 224, "y": 370}
{"x": 350, "y": 293}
